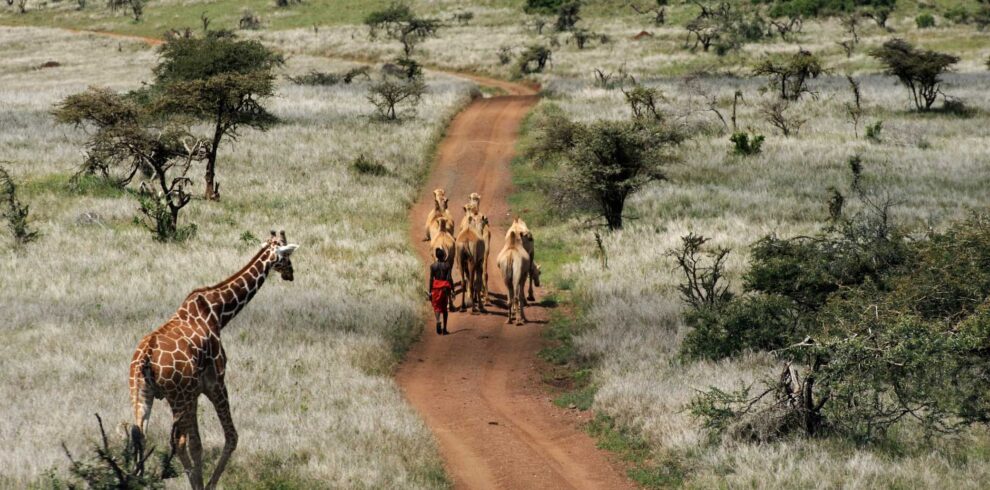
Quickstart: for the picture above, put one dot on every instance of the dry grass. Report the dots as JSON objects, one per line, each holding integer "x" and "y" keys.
{"x": 934, "y": 165}
{"x": 474, "y": 47}
{"x": 309, "y": 360}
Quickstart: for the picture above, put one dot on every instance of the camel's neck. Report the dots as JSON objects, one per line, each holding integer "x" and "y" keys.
{"x": 227, "y": 299}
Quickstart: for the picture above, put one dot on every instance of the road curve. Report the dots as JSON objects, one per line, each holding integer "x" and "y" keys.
{"x": 479, "y": 389}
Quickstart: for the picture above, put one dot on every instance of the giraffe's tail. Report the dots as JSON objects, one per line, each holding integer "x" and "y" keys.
{"x": 142, "y": 387}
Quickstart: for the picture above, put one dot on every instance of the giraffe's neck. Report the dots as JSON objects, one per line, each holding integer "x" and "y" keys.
{"x": 225, "y": 300}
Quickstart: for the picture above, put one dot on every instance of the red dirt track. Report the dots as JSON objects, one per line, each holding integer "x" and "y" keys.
{"x": 479, "y": 388}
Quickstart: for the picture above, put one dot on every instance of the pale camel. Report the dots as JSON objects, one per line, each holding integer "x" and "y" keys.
{"x": 471, "y": 210}
{"x": 528, "y": 243}
{"x": 515, "y": 265}
{"x": 439, "y": 211}
{"x": 470, "y": 257}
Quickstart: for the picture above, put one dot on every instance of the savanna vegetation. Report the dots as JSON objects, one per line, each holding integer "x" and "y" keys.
{"x": 769, "y": 216}
{"x": 91, "y": 281}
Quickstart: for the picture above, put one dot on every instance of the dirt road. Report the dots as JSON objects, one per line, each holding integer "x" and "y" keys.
{"x": 479, "y": 389}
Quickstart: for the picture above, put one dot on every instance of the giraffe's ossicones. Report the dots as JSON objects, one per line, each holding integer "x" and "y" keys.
{"x": 184, "y": 358}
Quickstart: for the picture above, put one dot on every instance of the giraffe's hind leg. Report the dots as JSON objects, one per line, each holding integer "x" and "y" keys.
{"x": 217, "y": 394}
{"x": 183, "y": 418}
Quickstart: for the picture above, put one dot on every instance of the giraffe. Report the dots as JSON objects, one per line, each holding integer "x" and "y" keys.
{"x": 184, "y": 358}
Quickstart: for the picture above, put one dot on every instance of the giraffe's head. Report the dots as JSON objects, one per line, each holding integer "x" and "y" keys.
{"x": 282, "y": 250}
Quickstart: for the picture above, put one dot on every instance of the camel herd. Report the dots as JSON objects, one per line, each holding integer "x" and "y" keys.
{"x": 470, "y": 248}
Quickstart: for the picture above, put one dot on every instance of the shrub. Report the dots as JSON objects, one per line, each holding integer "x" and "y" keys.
{"x": 789, "y": 74}
{"x": 958, "y": 14}
{"x": 390, "y": 93}
{"x": 130, "y": 133}
{"x": 315, "y": 78}
{"x": 919, "y": 70}
{"x": 249, "y": 21}
{"x": 398, "y": 22}
{"x": 14, "y": 212}
{"x": 924, "y": 21}
{"x": 643, "y": 102}
{"x": 746, "y": 144}
{"x": 757, "y": 323}
{"x": 365, "y": 166}
{"x": 533, "y": 60}
{"x": 568, "y": 15}
{"x": 610, "y": 160}
{"x": 542, "y": 6}
{"x": 874, "y": 131}
{"x": 776, "y": 113}
{"x": 116, "y": 466}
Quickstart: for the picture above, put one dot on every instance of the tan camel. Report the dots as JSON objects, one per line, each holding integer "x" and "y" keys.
{"x": 442, "y": 239}
{"x": 515, "y": 265}
{"x": 528, "y": 243}
{"x": 471, "y": 209}
{"x": 439, "y": 210}
{"x": 470, "y": 257}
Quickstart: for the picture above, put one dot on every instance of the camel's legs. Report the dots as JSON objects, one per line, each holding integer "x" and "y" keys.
{"x": 218, "y": 396}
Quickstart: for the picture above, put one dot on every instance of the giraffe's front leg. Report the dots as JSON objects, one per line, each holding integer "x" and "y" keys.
{"x": 217, "y": 393}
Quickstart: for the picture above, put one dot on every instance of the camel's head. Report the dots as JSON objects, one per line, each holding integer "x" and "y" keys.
{"x": 536, "y": 274}
{"x": 282, "y": 250}
{"x": 440, "y": 199}
{"x": 445, "y": 225}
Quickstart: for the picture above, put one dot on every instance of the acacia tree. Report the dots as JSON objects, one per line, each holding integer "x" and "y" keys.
{"x": 610, "y": 160}
{"x": 399, "y": 22}
{"x": 126, "y": 132}
{"x": 920, "y": 70}
{"x": 390, "y": 92}
{"x": 788, "y": 74}
{"x": 221, "y": 80}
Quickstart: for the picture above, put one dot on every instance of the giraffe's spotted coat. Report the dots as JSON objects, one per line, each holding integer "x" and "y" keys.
{"x": 184, "y": 358}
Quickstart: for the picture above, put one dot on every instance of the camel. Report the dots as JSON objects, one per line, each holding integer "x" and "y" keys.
{"x": 471, "y": 209}
{"x": 515, "y": 265}
{"x": 528, "y": 243}
{"x": 439, "y": 210}
{"x": 443, "y": 239}
{"x": 470, "y": 257}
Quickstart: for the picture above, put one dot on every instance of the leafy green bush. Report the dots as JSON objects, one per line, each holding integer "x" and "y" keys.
{"x": 14, "y": 212}
{"x": 542, "y": 6}
{"x": 315, "y": 78}
{"x": 117, "y": 466}
{"x": 958, "y": 14}
{"x": 788, "y": 74}
{"x": 874, "y": 131}
{"x": 876, "y": 330}
{"x": 366, "y": 166}
{"x": 924, "y": 21}
{"x": 533, "y": 60}
{"x": 761, "y": 323}
{"x": 746, "y": 144}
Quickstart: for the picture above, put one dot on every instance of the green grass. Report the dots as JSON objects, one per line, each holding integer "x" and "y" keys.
{"x": 646, "y": 468}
